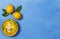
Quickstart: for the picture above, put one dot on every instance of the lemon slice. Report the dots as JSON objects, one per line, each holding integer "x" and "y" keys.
{"x": 9, "y": 27}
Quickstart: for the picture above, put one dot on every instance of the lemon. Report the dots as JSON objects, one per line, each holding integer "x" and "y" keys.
{"x": 9, "y": 9}
{"x": 16, "y": 15}
{"x": 9, "y": 27}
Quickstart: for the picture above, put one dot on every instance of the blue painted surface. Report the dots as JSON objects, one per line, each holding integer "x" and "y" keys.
{"x": 41, "y": 19}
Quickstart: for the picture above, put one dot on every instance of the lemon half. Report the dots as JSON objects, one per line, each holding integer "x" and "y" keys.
{"x": 9, "y": 27}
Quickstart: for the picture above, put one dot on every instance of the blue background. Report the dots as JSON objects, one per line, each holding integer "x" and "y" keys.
{"x": 41, "y": 19}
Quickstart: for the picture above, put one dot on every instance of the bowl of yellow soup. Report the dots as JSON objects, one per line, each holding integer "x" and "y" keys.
{"x": 9, "y": 27}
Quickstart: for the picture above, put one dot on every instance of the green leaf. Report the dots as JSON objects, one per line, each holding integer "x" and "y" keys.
{"x": 3, "y": 10}
{"x": 19, "y": 8}
{"x": 5, "y": 13}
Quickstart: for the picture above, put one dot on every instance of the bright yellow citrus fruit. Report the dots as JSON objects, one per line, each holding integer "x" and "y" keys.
{"x": 17, "y": 15}
{"x": 9, "y": 9}
{"x": 9, "y": 27}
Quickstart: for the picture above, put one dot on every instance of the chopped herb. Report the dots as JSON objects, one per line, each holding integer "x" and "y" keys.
{"x": 2, "y": 28}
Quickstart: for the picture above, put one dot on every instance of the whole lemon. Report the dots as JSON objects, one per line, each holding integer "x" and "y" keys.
{"x": 17, "y": 15}
{"x": 9, "y": 9}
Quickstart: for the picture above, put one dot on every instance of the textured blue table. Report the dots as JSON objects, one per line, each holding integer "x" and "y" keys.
{"x": 41, "y": 19}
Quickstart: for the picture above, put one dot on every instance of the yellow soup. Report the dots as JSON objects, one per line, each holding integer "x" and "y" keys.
{"x": 9, "y": 27}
